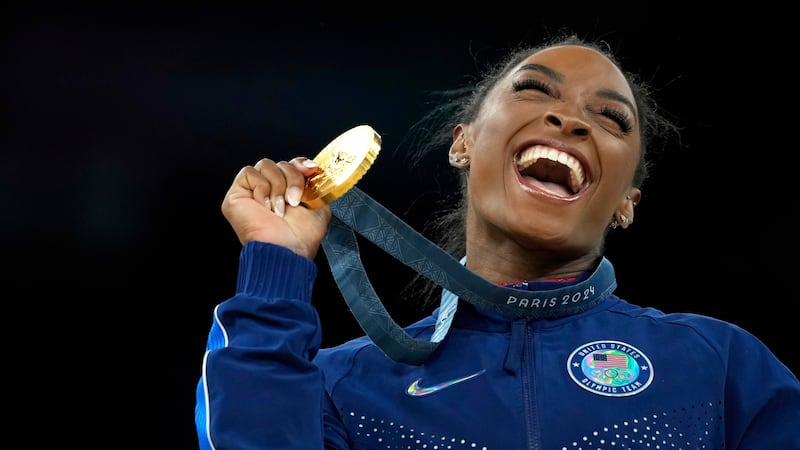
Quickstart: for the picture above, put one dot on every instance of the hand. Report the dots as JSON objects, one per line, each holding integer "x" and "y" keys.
{"x": 263, "y": 204}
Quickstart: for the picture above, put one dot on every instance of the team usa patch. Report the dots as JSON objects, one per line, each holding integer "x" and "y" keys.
{"x": 610, "y": 368}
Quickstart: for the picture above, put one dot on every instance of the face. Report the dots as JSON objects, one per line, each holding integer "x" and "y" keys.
{"x": 552, "y": 154}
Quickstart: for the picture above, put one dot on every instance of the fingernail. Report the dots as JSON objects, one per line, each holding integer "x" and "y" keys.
{"x": 280, "y": 206}
{"x": 310, "y": 163}
{"x": 293, "y": 195}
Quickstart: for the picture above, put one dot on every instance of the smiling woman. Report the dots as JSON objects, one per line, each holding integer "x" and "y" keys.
{"x": 552, "y": 150}
{"x": 127, "y": 126}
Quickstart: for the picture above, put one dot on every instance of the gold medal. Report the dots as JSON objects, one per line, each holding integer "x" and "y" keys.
{"x": 342, "y": 163}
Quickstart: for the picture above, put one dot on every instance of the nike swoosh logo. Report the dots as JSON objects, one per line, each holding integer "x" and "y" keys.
{"x": 415, "y": 390}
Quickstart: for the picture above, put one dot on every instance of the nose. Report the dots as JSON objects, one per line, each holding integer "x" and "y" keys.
{"x": 568, "y": 124}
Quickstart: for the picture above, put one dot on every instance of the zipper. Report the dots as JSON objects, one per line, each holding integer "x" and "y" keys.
{"x": 519, "y": 361}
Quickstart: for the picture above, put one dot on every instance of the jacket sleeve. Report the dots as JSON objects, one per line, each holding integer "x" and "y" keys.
{"x": 762, "y": 397}
{"x": 258, "y": 388}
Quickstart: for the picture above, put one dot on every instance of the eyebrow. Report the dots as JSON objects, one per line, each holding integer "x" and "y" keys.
{"x": 559, "y": 77}
{"x": 614, "y": 95}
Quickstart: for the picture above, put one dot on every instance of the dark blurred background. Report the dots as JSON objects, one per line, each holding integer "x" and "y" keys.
{"x": 125, "y": 128}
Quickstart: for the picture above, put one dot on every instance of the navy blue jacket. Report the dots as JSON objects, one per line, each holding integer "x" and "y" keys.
{"x": 617, "y": 376}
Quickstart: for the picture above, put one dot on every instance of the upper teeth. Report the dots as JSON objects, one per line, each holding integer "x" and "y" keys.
{"x": 529, "y": 156}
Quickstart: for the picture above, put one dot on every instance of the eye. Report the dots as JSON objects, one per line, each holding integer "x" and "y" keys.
{"x": 622, "y": 119}
{"x": 532, "y": 83}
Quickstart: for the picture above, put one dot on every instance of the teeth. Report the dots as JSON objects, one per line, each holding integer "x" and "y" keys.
{"x": 529, "y": 156}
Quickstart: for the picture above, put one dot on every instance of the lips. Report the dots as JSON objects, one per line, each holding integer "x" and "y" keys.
{"x": 552, "y": 170}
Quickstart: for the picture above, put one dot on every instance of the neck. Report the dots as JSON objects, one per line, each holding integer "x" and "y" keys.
{"x": 500, "y": 266}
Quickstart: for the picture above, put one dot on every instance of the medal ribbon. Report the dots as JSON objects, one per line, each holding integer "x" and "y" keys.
{"x": 355, "y": 212}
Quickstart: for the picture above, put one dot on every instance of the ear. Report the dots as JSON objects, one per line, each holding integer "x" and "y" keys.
{"x": 459, "y": 153}
{"x": 627, "y": 206}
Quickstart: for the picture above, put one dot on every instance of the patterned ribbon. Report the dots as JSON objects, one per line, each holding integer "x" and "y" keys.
{"x": 355, "y": 211}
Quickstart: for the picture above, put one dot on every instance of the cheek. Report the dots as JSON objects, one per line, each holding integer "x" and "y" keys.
{"x": 490, "y": 195}
{"x": 621, "y": 159}
{"x": 487, "y": 171}
{"x": 498, "y": 120}
{"x": 491, "y": 153}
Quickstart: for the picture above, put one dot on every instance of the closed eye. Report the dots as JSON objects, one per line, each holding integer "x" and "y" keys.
{"x": 621, "y": 118}
{"x": 532, "y": 83}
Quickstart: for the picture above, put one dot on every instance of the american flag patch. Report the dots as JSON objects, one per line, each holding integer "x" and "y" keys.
{"x": 606, "y": 361}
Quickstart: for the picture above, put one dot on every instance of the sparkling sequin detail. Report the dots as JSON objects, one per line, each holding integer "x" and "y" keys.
{"x": 668, "y": 430}
{"x": 392, "y": 435}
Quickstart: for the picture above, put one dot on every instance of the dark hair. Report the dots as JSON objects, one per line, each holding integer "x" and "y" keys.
{"x": 463, "y": 105}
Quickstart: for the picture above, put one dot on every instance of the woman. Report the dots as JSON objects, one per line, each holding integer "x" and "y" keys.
{"x": 552, "y": 149}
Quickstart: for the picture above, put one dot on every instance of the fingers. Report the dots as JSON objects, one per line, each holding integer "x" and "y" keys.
{"x": 282, "y": 182}
{"x": 296, "y": 171}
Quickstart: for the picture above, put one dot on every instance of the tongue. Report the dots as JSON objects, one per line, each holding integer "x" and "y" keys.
{"x": 553, "y": 188}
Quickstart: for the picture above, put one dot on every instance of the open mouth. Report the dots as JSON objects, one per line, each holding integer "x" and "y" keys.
{"x": 551, "y": 170}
